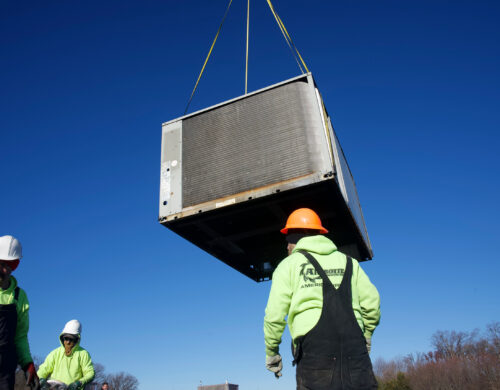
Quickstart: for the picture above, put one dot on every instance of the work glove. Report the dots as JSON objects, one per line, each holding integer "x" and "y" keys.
{"x": 274, "y": 364}
{"x": 43, "y": 384}
{"x": 369, "y": 344}
{"x": 75, "y": 385}
{"x": 32, "y": 377}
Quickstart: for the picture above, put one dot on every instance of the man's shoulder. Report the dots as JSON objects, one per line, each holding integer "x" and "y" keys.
{"x": 22, "y": 302}
{"x": 22, "y": 294}
{"x": 355, "y": 264}
{"x": 56, "y": 351}
{"x": 82, "y": 351}
{"x": 14, "y": 285}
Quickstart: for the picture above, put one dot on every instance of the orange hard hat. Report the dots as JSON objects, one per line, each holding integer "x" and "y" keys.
{"x": 303, "y": 219}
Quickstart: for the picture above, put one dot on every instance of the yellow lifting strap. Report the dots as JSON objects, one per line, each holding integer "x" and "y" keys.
{"x": 284, "y": 31}
{"x": 287, "y": 37}
{"x": 208, "y": 56}
{"x": 292, "y": 46}
{"x": 246, "y": 58}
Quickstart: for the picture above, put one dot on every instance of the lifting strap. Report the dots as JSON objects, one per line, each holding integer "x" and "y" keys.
{"x": 208, "y": 56}
{"x": 248, "y": 36}
{"x": 297, "y": 56}
{"x": 284, "y": 31}
{"x": 288, "y": 39}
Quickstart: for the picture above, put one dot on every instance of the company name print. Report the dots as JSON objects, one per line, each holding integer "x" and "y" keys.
{"x": 312, "y": 279}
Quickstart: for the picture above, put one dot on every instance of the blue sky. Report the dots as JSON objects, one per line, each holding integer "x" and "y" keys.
{"x": 413, "y": 90}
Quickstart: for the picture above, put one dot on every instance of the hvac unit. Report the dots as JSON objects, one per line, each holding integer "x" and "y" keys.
{"x": 232, "y": 173}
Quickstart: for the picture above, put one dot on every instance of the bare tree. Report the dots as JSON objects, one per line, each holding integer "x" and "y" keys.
{"x": 122, "y": 381}
{"x": 387, "y": 371}
{"x": 37, "y": 360}
{"x": 459, "y": 361}
{"x": 99, "y": 377}
{"x": 452, "y": 344}
{"x": 493, "y": 334}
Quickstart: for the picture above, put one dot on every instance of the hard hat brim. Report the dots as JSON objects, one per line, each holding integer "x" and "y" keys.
{"x": 320, "y": 229}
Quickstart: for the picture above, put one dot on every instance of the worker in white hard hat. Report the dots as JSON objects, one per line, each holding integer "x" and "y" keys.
{"x": 14, "y": 318}
{"x": 69, "y": 363}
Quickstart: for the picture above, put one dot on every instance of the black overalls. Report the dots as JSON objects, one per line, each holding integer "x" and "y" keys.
{"x": 8, "y": 355}
{"x": 333, "y": 354}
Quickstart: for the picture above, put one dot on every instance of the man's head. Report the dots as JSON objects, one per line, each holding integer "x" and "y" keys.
{"x": 105, "y": 386}
{"x": 301, "y": 223}
{"x": 10, "y": 254}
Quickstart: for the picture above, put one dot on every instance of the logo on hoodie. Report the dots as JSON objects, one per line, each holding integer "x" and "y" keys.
{"x": 309, "y": 273}
{"x": 312, "y": 278}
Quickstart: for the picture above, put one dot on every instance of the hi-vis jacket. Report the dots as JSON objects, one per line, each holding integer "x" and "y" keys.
{"x": 296, "y": 292}
{"x": 68, "y": 369}
{"x": 23, "y": 322}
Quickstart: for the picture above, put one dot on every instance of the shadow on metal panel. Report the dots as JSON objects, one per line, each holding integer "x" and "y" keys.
{"x": 246, "y": 236}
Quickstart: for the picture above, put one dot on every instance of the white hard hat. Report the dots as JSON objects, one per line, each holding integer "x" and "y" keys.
{"x": 72, "y": 327}
{"x": 10, "y": 248}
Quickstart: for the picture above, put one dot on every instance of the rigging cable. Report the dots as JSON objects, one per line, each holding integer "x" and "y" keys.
{"x": 288, "y": 38}
{"x": 248, "y": 30}
{"x": 208, "y": 56}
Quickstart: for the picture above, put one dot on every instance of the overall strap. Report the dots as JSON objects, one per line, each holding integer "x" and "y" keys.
{"x": 16, "y": 293}
{"x": 321, "y": 272}
{"x": 347, "y": 272}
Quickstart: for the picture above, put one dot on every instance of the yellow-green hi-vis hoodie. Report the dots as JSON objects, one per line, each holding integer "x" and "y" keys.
{"x": 23, "y": 321}
{"x": 296, "y": 292}
{"x": 68, "y": 369}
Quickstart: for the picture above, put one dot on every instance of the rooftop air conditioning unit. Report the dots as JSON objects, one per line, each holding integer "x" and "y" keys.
{"x": 232, "y": 173}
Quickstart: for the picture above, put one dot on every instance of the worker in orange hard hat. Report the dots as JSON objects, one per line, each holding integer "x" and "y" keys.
{"x": 332, "y": 310}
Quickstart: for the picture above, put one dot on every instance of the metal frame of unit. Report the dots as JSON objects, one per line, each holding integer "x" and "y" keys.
{"x": 268, "y": 151}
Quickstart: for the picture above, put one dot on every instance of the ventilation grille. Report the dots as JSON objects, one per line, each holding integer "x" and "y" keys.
{"x": 256, "y": 141}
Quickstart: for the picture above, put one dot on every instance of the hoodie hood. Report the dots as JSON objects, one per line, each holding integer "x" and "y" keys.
{"x": 74, "y": 328}
{"x": 316, "y": 244}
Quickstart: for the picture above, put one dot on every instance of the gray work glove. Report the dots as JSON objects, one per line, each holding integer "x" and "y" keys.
{"x": 75, "y": 386}
{"x": 368, "y": 344}
{"x": 43, "y": 384}
{"x": 274, "y": 364}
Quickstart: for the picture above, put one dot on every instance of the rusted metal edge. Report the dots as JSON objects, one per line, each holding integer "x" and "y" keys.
{"x": 249, "y": 195}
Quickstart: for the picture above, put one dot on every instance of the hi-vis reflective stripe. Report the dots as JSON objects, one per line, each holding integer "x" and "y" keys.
{"x": 208, "y": 56}
{"x": 287, "y": 37}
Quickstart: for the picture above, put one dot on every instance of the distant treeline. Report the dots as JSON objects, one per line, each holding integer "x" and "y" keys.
{"x": 458, "y": 361}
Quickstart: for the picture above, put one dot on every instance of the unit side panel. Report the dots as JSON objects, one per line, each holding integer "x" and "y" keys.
{"x": 171, "y": 169}
{"x": 348, "y": 187}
